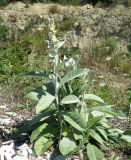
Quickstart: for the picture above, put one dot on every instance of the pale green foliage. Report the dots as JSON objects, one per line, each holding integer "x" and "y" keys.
{"x": 66, "y": 146}
{"x": 94, "y": 153}
{"x": 63, "y": 116}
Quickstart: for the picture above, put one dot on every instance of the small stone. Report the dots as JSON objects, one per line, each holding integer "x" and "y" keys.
{"x": 6, "y": 121}
{"x": 17, "y": 157}
{"x": 40, "y": 158}
{"x": 102, "y": 84}
{"x": 108, "y": 58}
{"x": 7, "y": 151}
{"x": 3, "y": 106}
{"x": 11, "y": 114}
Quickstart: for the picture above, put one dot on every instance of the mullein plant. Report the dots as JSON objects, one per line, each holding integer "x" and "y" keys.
{"x": 64, "y": 117}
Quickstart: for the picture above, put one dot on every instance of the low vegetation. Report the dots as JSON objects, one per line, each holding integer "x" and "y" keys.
{"x": 105, "y": 54}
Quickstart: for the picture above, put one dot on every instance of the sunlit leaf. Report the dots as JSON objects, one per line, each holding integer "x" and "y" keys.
{"x": 93, "y": 97}
{"x": 102, "y": 132}
{"x": 60, "y": 44}
{"x": 109, "y": 110}
{"x": 96, "y": 136}
{"x": 76, "y": 120}
{"x": 126, "y": 138}
{"x": 36, "y": 133}
{"x": 72, "y": 74}
{"x": 45, "y": 101}
{"x": 66, "y": 146}
{"x": 44, "y": 130}
{"x": 94, "y": 153}
{"x": 70, "y": 99}
{"x": 36, "y": 94}
{"x": 41, "y": 145}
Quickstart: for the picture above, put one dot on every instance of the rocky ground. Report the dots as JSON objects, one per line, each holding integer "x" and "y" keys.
{"x": 91, "y": 25}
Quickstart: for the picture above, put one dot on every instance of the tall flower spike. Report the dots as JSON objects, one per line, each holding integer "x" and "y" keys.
{"x": 52, "y": 25}
{"x": 52, "y": 35}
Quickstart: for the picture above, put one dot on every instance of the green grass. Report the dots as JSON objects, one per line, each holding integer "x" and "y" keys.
{"x": 117, "y": 96}
{"x": 106, "y": 57}
{"x": 3, "y": 30}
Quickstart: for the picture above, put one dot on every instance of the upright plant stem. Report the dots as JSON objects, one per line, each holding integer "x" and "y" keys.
{"x": 57, "y": 92}
{"x": 56, "y": 80}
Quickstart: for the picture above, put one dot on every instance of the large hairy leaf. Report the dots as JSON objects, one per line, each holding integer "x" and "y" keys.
{"x": 37, "y": 132}
{"x": 44, "y": 130}
{"x": 41, "y": 145}
{"x": 98, "y": 113}
{"x": 32, "y": 95}
{"x": 110, "y": 111}
{"x": 70, "y": 99}
{"x": 102, "y": 132}
{"x": 115, "y": 130}
{"x": 77, "y": 117}
{"x": 72, "y": 74}
{"x": 93, "y": 97}
{"x": 94, "y": 153}
{"x": 104, "y": 123}
{"x": 73, "y": 123}
{"x": 45, "y": 101}
{"x": 96, "y": 136}
{"x": 105, "y": 109}
{"x": 126, "y": 138}
{"x": 76, "y": 120}
{"x": 127, "y": 135}
{"x": 66, "y": 146}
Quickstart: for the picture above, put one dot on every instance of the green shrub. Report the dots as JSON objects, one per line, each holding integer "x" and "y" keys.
{"x": 16, "y": 58}
{"x": 13, "y": 60}
{"x": 64, "y": 117}
{"x": 4, "y": 2}
{"x": 3, "y": 30}
{"x": 54, "y": 9}
{"x": 105, "y": 49}
{"x": 66, "y": 25}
